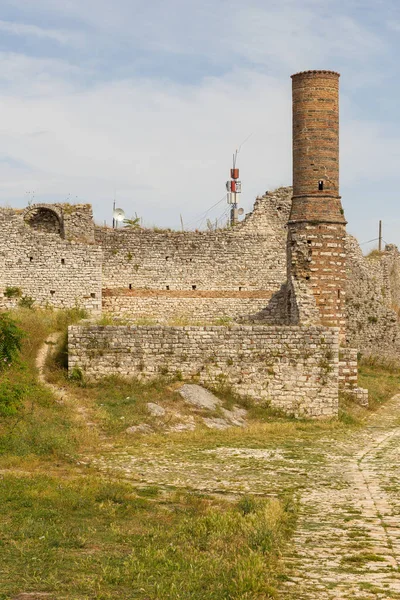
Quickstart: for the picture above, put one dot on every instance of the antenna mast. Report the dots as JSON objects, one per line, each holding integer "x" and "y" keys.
{"x": 234, "y": 187}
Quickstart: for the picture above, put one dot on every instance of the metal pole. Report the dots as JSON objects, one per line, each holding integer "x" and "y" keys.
{"x": 380, "y": 237}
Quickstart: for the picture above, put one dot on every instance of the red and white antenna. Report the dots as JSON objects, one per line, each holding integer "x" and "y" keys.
{"x": 234, "y": 189}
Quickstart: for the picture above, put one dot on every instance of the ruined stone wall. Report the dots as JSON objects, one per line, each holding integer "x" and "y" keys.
{"x": 164, "y": 307}
{"x": 44, "y": 266}
{"x": 372, "y": 301}
{"x": 293, "y": 368}
{"x": 70, "y": 221}
{"x": 251, "y": 256}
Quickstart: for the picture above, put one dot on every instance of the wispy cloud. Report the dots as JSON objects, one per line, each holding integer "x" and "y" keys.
{"x": 154, "y": 97}
{"x": 23, "y": 29}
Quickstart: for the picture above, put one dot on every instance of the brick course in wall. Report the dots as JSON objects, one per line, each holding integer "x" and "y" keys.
{"x": 293, "y": 368}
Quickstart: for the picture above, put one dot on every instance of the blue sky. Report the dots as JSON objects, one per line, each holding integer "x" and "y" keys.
{"x": 150, "y": 99}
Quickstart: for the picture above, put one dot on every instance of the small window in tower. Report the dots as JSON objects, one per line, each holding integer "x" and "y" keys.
{"x": 63, "y": 261}
{"x": 338, "y": 294}
{"x": 320, "y": 185}
{"x": 167, "y": 287}
{"x": 240, "y": 289}
{"x": 130, "y": 286}
{"x": 31, "y": 259}
{"x": 52, "y": 292}
{"x": 93, "y": 295}
{"x": 194, "y": 287}
{"x": 307, "y": 277}
{"x": 167, "y": 258}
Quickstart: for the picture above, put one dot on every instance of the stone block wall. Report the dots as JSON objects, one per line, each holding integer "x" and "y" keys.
{"x": 163, "y": 307}
{"x": 317, "y": 260}
{"x": 372, "y": 301}
{"x": 52, "y": 270}
{"x": 348, "y": 368}
{"x": 293, "y": 368}
{"x": 250, "y": 256}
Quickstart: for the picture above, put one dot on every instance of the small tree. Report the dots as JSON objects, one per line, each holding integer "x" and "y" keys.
{"x": 10, "y": 340}
{"x": 133, "y": 223}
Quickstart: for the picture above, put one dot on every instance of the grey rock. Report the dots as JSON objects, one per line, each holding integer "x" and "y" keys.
{"x": 237, "y": 416}
{"x": 198, "y": 396}
{"x": 155, "y": 409}
{"x": 189, "y": 425}
{"x": 216, "y": 423}
{"x": 142, "y": 428}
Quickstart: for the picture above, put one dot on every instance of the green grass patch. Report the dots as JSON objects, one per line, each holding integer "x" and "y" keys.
{"x": 91, "y": 538}
{"x": 32, "y": 423}
{"x": 363, "y": 558}
{"x": 381, "y": 381}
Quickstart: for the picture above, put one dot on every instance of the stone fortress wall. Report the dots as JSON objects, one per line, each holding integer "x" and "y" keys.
{"x": 47, "y": 254}
{"x": 280, "y": 273}
{"x": 294, "y": 368}
{"x": 250, "y": 256}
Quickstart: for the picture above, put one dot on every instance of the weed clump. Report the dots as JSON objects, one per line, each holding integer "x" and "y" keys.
{"x": 10, "y": 340}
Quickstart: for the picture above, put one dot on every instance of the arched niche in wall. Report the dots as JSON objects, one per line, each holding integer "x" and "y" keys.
{"x": 45, "y": 219}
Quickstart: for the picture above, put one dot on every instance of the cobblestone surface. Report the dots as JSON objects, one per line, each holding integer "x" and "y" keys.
{"x": 347, "y": 543}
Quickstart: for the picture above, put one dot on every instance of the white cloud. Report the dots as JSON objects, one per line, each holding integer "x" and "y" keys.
{"x": 172, "y": 143}
{"x": 167, "y": 146}
{"x": 22, "y": 29}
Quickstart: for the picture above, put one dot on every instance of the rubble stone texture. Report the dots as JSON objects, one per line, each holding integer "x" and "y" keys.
{"x": 294, "y": 369}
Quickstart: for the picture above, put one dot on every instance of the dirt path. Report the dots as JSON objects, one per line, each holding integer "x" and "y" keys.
{"x": 61, "y": 394}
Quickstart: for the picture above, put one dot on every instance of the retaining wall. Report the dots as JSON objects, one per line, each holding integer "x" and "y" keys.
{"x": 294, "y": 369}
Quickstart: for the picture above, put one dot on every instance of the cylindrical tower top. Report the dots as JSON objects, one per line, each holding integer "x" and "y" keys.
{"x": 316, "y": 73}
{"x": 316, "y": 146}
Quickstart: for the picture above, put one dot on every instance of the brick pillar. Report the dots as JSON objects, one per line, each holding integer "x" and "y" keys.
{"x": 316, "y": 228}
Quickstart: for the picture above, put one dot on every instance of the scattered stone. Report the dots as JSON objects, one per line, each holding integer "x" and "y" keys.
{"x": 155, "y": 409}
{"x": 142, "y": 428}
{"x": 216, "y": 423}
{"x": 237, "y": 416}
{"x": 32, "y": 596}
{"x": 188, "y": 425}
{"x": 198, "y": 396}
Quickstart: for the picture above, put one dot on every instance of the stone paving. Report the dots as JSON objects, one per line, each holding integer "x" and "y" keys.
{"x": 347, "y": 544}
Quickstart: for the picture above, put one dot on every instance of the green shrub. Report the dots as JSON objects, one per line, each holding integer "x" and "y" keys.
{"x": 13, "y": 292}
{"x": 11, "y": 396}
{"x": 76, "y": 375}
{"x": 26, "y": 302}
{"x": 10, "y": 340}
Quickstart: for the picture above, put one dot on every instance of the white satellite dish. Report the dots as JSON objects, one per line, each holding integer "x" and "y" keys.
{"x": 241, "y": 211}
{"x": 118, "y": 215}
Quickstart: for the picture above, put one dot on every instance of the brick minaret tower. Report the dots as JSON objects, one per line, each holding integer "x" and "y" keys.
{"x": 316, "y": 228}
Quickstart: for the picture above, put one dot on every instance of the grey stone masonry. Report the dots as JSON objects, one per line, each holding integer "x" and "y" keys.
{"x": 249, "y": 256}
{"x": 373, "y": 301}
{"x": 36, "y": 259}
{"x": 295, "y": 369}
{"x": 163, "y": 307}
